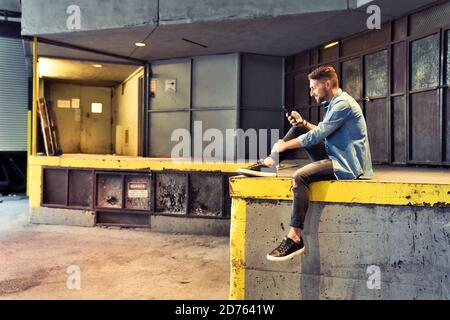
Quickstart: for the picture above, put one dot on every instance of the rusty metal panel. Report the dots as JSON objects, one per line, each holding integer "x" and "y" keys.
{"x": 424, "y": 117}
{"x": 80, "y": 188}
{"x": 54, "y": 186}
{"x": 351, "y": 77}
{"x": 206, "y": 193}
{"x": 171, "y": 193}
{"x": 109, "y": 190}
{"x": 123, "y": 219}
{"x": 138, "y": 191}
{"x": 399, "y": 130}
{"x": 378, "y": 129}
{"x": 376, "y": 74}
{"x": 425, "y": 63}
{"x": 398, "y": 67}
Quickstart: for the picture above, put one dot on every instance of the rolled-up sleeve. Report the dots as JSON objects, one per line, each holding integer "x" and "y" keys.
{"x": 333, "y": 120}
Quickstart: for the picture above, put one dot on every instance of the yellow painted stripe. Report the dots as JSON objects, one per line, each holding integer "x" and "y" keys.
{"x": 237, "y": 249}
{"x": 364, "y": 192}
{"x": 28, "y": 149}
{"x": 35, "y": 186}
{"x": 132, "y": 163}
{"x": 35, "y": 95}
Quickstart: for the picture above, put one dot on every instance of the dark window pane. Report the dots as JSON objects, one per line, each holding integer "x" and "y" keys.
{"x": 351, "y": 77}
{"x": 425, "y": 63}
{"x": 376, "y": 69}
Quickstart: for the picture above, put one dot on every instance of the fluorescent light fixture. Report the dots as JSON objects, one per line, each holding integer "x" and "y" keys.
{"x": 139, "y": 44}
{"x": 97, "y": 65}
{"x": 332, "y": 44}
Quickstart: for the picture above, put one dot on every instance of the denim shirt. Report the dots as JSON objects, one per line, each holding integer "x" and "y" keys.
{"x": 345, "y": 133}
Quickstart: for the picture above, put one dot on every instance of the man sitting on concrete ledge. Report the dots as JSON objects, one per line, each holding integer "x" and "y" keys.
{"x": 338, "y": 148}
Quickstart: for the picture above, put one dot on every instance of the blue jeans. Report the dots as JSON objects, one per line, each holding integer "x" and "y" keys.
{"x": 320, "y": 169}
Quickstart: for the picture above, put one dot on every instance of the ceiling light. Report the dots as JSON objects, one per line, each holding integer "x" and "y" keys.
{"x": 139, "y": 44}
{"x": 97, "y": 65}
{"x": 331, "y": 45}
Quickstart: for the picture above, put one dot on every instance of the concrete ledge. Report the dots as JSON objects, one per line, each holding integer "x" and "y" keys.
{"x": 346, "y": 191}
{"x": 189, "y": 225}
{"x": 68, "y": 217}
{"x": 408, "y": 244}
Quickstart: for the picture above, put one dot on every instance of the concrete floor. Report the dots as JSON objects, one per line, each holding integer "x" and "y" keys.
{"x": 114, "y": 264}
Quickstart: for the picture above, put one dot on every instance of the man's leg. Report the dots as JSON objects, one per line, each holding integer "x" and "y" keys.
{"x": 302, "y": 178}
{"x": 315, "y": 153}
{"x": 292, "y": 244}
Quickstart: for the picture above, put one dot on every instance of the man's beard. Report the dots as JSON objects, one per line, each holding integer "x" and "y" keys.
{"x": 320, "y": 100}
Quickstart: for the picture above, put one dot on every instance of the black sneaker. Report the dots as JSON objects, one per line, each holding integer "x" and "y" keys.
{"x": 287, "y": 249}
{"x": 259, "y": 169}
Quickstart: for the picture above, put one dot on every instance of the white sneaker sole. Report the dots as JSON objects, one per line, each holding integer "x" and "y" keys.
{"x": 253, "y": 173}
{"x": 286, "y": 258}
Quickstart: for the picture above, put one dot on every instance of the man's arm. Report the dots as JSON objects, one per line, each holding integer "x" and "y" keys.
{"x": 333, "y": 121}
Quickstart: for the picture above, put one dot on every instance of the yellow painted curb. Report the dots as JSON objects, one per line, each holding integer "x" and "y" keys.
{"x": 356, "y": 191}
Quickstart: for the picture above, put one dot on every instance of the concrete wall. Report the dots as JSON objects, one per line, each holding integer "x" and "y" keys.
{"x": 126, "y": 116}
{"x": 45, "y": 16}
{"x": 410, "y": 245}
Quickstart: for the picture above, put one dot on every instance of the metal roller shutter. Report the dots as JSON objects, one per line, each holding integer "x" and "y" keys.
{"x": 13, "y": 95}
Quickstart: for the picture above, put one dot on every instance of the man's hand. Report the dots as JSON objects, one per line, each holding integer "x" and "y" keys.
{"x": 295, "y": 119}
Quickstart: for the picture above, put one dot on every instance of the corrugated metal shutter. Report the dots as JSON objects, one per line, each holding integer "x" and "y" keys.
{"x": 13, "y": 95}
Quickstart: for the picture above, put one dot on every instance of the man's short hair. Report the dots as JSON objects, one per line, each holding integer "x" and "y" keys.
{"x": 324, "y": 73}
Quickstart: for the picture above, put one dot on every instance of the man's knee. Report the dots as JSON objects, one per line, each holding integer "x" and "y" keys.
{"x": 299, "y": 178}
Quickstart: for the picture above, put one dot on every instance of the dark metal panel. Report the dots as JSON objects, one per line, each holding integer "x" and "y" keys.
{"x": 446, "y": 128}
{"x": 206, "y": 194}
{"x": 399, "y": 130}
{"x": 400, "y": 28}
{"x": 328, "y": 54}
{"x": 424, "y": 129}
{"x": 429, "y": 19}
{"x": 314, "y": 54}
{"x": 123, "y": 219}
{"x": 109, "y": 190}
{"x": 301, "y": 87}
{"x": 365, "y": 41}
{"x": 398, "y": 67}
{"x": 378, "y": 129}
{"x": 54, "y": 186}
{"x": 171, "y": 193}
{"x": 301, "y": 60}
{"x": 81, "y": 188}
{"x": 289, "y": 91}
